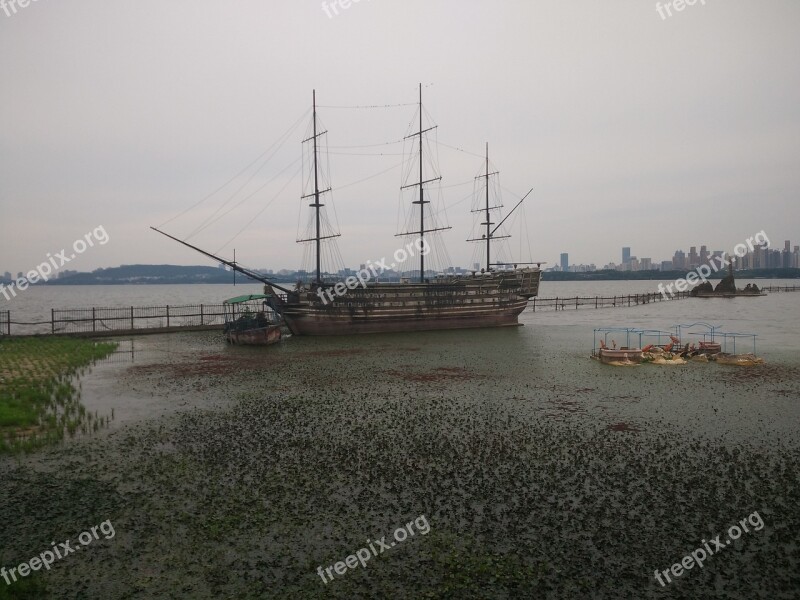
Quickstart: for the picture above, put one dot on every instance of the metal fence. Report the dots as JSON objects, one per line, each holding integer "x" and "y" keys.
{"x": 576, "y": 302}
{"x": 781, "y": 288}
{"x": 104, "y": 320}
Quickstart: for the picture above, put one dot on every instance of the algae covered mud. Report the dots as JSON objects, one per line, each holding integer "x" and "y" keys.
{"x": 233, "y": 472}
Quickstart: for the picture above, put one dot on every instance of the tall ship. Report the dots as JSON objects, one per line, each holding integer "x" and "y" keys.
{"x": 492, "y": 296}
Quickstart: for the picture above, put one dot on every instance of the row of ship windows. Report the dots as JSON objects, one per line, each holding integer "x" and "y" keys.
{"x": 358, "y": 292}
{"x": 465, "y": 301}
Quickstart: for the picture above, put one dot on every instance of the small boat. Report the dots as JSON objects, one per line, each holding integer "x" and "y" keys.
{"x": 620, "y": 357}
{"x": 627, "y": 355}
{"x": 715, "y": 345}
{"x": 709, "y": 348}
{"x": 250, "y": 321}
{"x": 658, "y": 351}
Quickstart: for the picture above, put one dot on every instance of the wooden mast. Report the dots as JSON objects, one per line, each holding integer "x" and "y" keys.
{"x": 487, "y": 215}
{"x": 421, "y": 196}
{"x": 422, "y": 202}
{"x": 488, "y": 220}
{"x": 316, "y": 204}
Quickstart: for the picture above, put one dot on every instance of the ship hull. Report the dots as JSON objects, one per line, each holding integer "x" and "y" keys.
{"x": 484, "y": 301}
{"x": 327, "y": 324}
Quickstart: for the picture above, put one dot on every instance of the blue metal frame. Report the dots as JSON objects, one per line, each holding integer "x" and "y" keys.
{"x": 711, "y": 334}
{"x": 628, "y": 331}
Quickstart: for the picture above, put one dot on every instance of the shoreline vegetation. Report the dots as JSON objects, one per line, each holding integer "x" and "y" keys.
{"x": 40, "y": 392}
{"x": 179, "y": 274}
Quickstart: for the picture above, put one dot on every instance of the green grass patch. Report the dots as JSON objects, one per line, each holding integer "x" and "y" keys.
{"x": 39, "y": 393}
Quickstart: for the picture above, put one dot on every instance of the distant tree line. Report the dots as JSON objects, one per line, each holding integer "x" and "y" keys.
{"x": 178, "y": 274}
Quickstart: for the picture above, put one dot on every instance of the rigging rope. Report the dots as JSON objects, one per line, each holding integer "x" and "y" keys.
{"x": 367, "y": 105}
{"x": 240, "y": 173}
{"x": 260, "y": 212}
{"x": 211, "y": 220}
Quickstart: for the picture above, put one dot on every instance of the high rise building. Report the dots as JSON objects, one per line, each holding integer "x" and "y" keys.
{"x": 745, "y": 262}
{"x": 565, "y": 261}
{"x": 703, "y": 255}
{"x": 679, "y": 260}
{"x": 693, "y": 258}
{"x": 626, "y": 255}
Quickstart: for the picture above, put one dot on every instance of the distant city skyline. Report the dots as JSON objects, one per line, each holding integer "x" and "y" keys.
{"x": 775, "y": 256}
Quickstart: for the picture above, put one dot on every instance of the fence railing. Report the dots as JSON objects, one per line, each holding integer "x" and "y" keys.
{"x": 109, "y": 321}
{"x": 781, "y": 288}
{"x": 102, "y": 320}
{"x": 575, "y": 302}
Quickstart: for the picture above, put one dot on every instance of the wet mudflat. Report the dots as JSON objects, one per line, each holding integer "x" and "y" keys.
{"x": 542, "y": 474}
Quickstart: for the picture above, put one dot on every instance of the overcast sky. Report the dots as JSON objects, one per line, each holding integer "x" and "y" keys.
{"x": 631, "y": 129}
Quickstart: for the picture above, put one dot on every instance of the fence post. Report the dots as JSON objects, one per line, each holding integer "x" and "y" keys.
{"x": 556, "y": 302}
{"x": 534, "y": 304}
{"x": 53, "y": 321}
{"x": 167, "y": 315}
{"x": 595, "y": 301}
{"x": 201, "y": 312}
{"x": 576, "y": 303}
{"x": 131, "y": 317}
{"x": 94, "y": 325}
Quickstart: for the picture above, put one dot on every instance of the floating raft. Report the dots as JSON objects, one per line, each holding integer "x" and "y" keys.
{"x": 653, "y": 346}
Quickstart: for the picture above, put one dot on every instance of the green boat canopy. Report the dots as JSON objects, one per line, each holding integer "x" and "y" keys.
{"x": 247, "y": 298}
